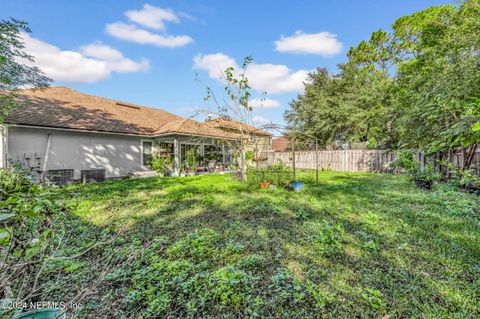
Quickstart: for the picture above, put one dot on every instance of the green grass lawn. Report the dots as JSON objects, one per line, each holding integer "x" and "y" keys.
{"x": 352, "y": 245}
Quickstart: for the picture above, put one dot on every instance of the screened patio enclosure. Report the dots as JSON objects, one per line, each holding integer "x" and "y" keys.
{"x": 195, "y": 155}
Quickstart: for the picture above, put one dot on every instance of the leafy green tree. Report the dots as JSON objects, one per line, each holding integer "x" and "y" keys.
{"x": 438, "y": 86}
{"x": 351, "y": 106}
{"x": 417, "y": 86}
{"x": 16, "y": 69}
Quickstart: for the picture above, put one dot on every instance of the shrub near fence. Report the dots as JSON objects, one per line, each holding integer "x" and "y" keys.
{"x": 363, "y": 160}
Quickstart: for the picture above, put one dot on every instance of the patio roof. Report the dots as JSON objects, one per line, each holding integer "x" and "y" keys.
{"x": 233, "y": 125}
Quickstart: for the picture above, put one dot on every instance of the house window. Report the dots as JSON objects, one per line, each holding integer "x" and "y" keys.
{"x": 146, "y": 152}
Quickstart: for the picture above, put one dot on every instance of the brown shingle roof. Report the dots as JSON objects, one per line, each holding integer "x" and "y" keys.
{"x": 235, "y": 125}
{"x": 280, "y": 144}
{"x": 62, "y": 107}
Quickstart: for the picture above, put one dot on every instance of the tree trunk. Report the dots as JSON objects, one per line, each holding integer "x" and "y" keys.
{"x": 243, "y": 164}
{"x": 470, "y": 156}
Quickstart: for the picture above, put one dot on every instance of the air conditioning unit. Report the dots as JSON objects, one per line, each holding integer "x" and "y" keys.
{"x": 60, "y": 176}
{"x": 92, "y": 175}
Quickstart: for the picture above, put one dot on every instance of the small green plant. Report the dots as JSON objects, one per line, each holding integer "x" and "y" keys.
{"x": 407, "y": 162}
{"x": 469, "y": 179}
{"x": 372, "y": 143}
{"x": 249, "y": 155}
{"x": 428, "y": 174}
{"x": 327, "y": 238}
{"x": 262, "y": 206}
{"x": 303, "y": 214}
{"x": 371, "y": 246}
{"x": 373, "y": 297}
{"x": 230, "y": 286}
{"x": 157, "y": 163}
{"x": 191, "y": 159}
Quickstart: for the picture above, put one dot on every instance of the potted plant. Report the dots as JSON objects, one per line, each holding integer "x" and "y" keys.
{"x": 425, "y": 178}
{"x": 264, "y": 180}
{"x": 470, "y": 182}
{"x": 297, "y": 185}
{"x": 264, "y": 184}
{"x": 407, "y": 163}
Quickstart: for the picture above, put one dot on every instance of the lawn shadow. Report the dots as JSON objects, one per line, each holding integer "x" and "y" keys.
{"x": 389, "y": 244}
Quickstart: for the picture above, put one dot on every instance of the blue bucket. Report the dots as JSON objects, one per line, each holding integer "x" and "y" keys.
{"x": 297, "y": 186}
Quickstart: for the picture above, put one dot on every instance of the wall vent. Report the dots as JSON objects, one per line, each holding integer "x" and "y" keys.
{"x": 133, "y": 106}
{"x": 92, "y": 175}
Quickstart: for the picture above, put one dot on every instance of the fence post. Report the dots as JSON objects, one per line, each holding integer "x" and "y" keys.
{"x": 293, "y": 158}
{"x": 316, "y": 159}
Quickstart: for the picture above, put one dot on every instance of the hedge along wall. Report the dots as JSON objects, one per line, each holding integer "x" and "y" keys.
{"x": 363, "y": 160}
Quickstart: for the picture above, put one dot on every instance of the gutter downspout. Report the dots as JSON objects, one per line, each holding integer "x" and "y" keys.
{"x": 3, "y": 146}
{"x": 45, "y": 156}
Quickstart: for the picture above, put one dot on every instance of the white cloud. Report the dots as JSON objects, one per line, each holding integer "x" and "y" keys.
{"x": 92, "y": 63}
{"x": 152, "y": 17}
{"x": 260, "y": 120}
{"x": 322, "y": 43}
{"x": 114, "y": 58}
{"x": 215, "y": 63}
{"x": 271, "y": 78}
{"x": 132, "y": 33}
{"x": 276, "y": 78}
{"x": 264, "y": 103}
{"x": 101, "y": 51}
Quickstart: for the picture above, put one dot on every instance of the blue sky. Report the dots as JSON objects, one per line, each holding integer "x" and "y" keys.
{"x": 149, "y": 52}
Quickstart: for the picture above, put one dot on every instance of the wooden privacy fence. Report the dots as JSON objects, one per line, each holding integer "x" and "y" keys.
{"x": 360, "y": 160}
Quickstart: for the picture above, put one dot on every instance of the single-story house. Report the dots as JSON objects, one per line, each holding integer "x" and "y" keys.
{"x": 280, "y": 144}
{"x": 259, "y": 141}
{"x": 58, "y": 131}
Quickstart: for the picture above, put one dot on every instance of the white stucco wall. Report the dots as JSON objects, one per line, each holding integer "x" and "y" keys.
{"x": 117, "y": 154}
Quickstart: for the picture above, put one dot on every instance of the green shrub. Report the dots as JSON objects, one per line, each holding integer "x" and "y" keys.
{"x": 249, "y": 155}
{"x": 27, "y": 207}
{"x": 407, "y": 162}
{"x": 468, "y": 178}
{"x": 276, "y": 174}
{"x": 30, "y": 213}
{"x": 372, "y": 143}
{"x": 192, "y": 158}
{"x": 158, "y": 163}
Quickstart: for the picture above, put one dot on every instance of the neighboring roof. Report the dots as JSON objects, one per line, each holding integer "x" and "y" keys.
{"x": 62, "y": 107}
{"x": 235, "y": 125}
{"x": 280, "y": 144}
